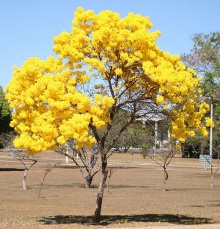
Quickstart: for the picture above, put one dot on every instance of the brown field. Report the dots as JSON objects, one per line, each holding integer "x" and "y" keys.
{"x": 134, "y": 197}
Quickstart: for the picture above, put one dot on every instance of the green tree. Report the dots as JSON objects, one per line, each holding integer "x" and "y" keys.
{"x": 205, "y": 56}
{"x": 136, "y": 136}
{"x": 5, "y": 114}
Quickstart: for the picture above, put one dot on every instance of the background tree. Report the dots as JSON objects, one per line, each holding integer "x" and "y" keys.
{"x": 205, "y": 56}
{"x": 5, "y": 115}
{"x": 105, "y": 64}
{"x": 205, "y": 59}
{"x": 136, "y": 135}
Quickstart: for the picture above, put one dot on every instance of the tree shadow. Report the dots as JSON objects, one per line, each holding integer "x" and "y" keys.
{"x": 110, "y": 219}
{"x": 112, "y": 186}
{"x": 11, "y": 169}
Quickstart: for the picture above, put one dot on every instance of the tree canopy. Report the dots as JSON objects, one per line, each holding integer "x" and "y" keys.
{"x": 104, "y": 62}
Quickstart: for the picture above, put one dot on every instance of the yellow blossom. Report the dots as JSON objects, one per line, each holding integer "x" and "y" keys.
{"x": 103, "y": 61}
{"x": 159, "y": 99}
{"x": 209, "y": 122}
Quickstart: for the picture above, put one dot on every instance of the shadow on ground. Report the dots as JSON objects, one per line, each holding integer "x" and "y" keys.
{"x": 11, "y": 169}
{"x": 110, "y": 219}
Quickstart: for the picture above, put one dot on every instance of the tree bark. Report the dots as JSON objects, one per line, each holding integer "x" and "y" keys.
{"x": 97, "y": 214}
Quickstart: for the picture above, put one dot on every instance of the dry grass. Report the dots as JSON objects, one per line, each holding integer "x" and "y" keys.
{"x": 135, "y": 196}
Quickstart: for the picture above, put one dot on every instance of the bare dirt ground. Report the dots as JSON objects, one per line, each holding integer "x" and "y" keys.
{"x": 134, "y": 198}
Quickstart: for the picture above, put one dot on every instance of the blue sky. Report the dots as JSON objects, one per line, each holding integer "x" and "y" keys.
{"x": 28, "y": 26}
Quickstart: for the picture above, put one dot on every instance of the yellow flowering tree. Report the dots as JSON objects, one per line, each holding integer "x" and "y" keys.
{"x": 105, "y": 64}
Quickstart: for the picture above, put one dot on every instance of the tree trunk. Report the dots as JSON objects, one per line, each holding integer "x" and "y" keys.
{"x": 97, "y": 215}
{"x": 24, "y": 179}
{"x": 212, "y": 177}
{"x": 212, "y": 180}
{"x": 165, "y": 179}
{"x": 88, "y": 179}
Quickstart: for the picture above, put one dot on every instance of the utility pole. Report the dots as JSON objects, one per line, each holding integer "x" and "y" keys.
{"x": 211, "y": 117}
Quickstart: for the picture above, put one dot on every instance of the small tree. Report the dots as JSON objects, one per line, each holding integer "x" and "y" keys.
{"x": 21, "y": 155}
{"x": 27, "y": 161}
{"x": 49, "y": 167}
{"x": 213, "y": 170}
{"x": 105, "y": 64}
{"x": 163, "y": 155}
{"x": 89, "y": 159}
{"x": 163, "y": 159}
